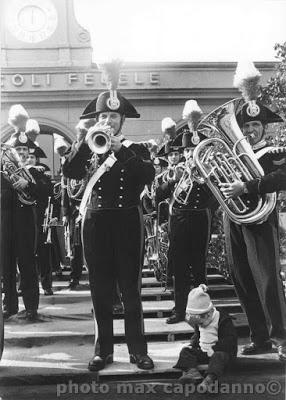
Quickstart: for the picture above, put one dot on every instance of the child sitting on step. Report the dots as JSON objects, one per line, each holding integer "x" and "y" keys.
{"x": 214, "y": 341}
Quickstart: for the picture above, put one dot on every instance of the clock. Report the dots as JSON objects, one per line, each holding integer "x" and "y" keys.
{"x": 31, "y": 21}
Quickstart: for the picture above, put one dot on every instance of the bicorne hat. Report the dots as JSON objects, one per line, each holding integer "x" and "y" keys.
{"x": 111, "y": 100}
{"x": 37, "y": 151}
{"x": 247, "y": 80}
{"x": 262, "y": 114}
{"x": 21, "y": 139}
{"x": 168, "y": 148}
{"x": 103, "y": 104}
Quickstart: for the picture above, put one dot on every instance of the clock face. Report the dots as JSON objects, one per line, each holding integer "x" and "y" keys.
{"x": 31, "y": 21}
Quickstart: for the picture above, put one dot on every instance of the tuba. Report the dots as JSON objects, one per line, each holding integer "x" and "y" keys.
{"x": 225, "y": 157}
{"x": 12, "y": 171}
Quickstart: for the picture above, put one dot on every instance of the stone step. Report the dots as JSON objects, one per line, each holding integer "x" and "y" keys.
{"x": 62, "y": 363}
{"x": 213, "y": 273}
{"x": 64, "y": 295}
{"x": 51, "y": 329}
{"x": 151, "y": 309}
{"x": 147, "y": 282}
{"x": 215, "y": 292}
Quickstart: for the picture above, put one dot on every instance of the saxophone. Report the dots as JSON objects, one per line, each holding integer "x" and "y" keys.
{"x": 13, "y": 171}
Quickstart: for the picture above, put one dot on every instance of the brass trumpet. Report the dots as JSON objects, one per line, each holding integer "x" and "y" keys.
{"x": 47, "y": 222}
{"x": 99, "y": 138}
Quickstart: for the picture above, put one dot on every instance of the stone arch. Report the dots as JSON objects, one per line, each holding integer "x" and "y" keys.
{"x": 47, "y": 125}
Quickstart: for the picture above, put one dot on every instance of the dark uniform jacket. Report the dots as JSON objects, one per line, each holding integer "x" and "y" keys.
{"x": 121, "y": 186}
{"x": 274, "y": 166}
{"x": 199, "y": 199}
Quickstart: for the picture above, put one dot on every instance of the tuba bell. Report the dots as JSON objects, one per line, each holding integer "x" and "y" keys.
{"x": 225, "y": 157}
{"x": 12, "y": 171}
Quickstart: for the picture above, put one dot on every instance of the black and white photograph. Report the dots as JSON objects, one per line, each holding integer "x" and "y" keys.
{"x": 143, "y": 199}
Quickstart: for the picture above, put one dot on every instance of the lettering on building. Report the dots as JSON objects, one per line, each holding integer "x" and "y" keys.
{"x": 75, "y": 80}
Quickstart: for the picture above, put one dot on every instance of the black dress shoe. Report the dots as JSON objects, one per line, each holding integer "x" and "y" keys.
{"x": 73, "y": 284}
{"x": 48, "y": 292}
{"x": 281, "y": 353}
{"x": 254, "y": 348}
{"x": 31, "y": 315}
{"x": 143, "y": 361}
{"x": 7, "y": 313}
{"x": 175, "y": 318}
{"x": 97, "y": 363}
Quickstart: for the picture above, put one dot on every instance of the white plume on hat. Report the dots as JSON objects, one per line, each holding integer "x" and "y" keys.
{"x": 32, "y": 126}
{"x": 59, "y": 142}
{"x": 192, "y": 113}
{"x": 17, "y": 113}
{"x": 246, "y": 80}
{"x": 168, "y": 127}
{"x": 199, "y": 301}
{"x": 111, "y": 70}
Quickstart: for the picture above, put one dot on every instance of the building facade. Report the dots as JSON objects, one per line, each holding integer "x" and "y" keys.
{"x": 46, "y": 59}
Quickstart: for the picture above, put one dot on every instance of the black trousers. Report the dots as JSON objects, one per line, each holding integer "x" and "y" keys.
{"x": 76, "y": 248}
{"x": 8, "y": 260}
{"x": 25, "y": 250}
{"x": 255, "y": 266}
{"x": 113, "y": 245}
{"x": 191, "y": 357}
{"x": 189, "y": 240}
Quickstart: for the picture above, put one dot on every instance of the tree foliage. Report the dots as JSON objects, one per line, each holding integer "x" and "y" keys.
{"x": 274, "y": 95}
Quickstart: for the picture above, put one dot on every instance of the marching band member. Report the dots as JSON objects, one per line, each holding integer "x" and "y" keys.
{"x": 7, "y": 246}
{"x": 112, "y": 222}
{"x": 164, "y": 184}
{"x": 21, "y": 240}
{"x": 44, "y": 256}
{"x": 254, "y": 248}
{"x": 59, "y": 250}
{"x": 70, "y": 216}
{"x": 189, "y": 226}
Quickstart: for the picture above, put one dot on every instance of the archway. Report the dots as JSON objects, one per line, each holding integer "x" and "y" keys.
{"x": 46, "y": 141}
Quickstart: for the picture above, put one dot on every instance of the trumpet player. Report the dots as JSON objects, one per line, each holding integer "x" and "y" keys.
{"x": 254, "y": 248}
{"x": 112, "y": 222}
{"x": 189, "y": 232}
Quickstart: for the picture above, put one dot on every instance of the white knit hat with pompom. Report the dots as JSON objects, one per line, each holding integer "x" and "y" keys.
{"x": 199, "y": 301}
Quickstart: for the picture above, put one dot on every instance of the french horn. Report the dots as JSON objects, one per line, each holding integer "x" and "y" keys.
{"x": 225, "y": 157}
